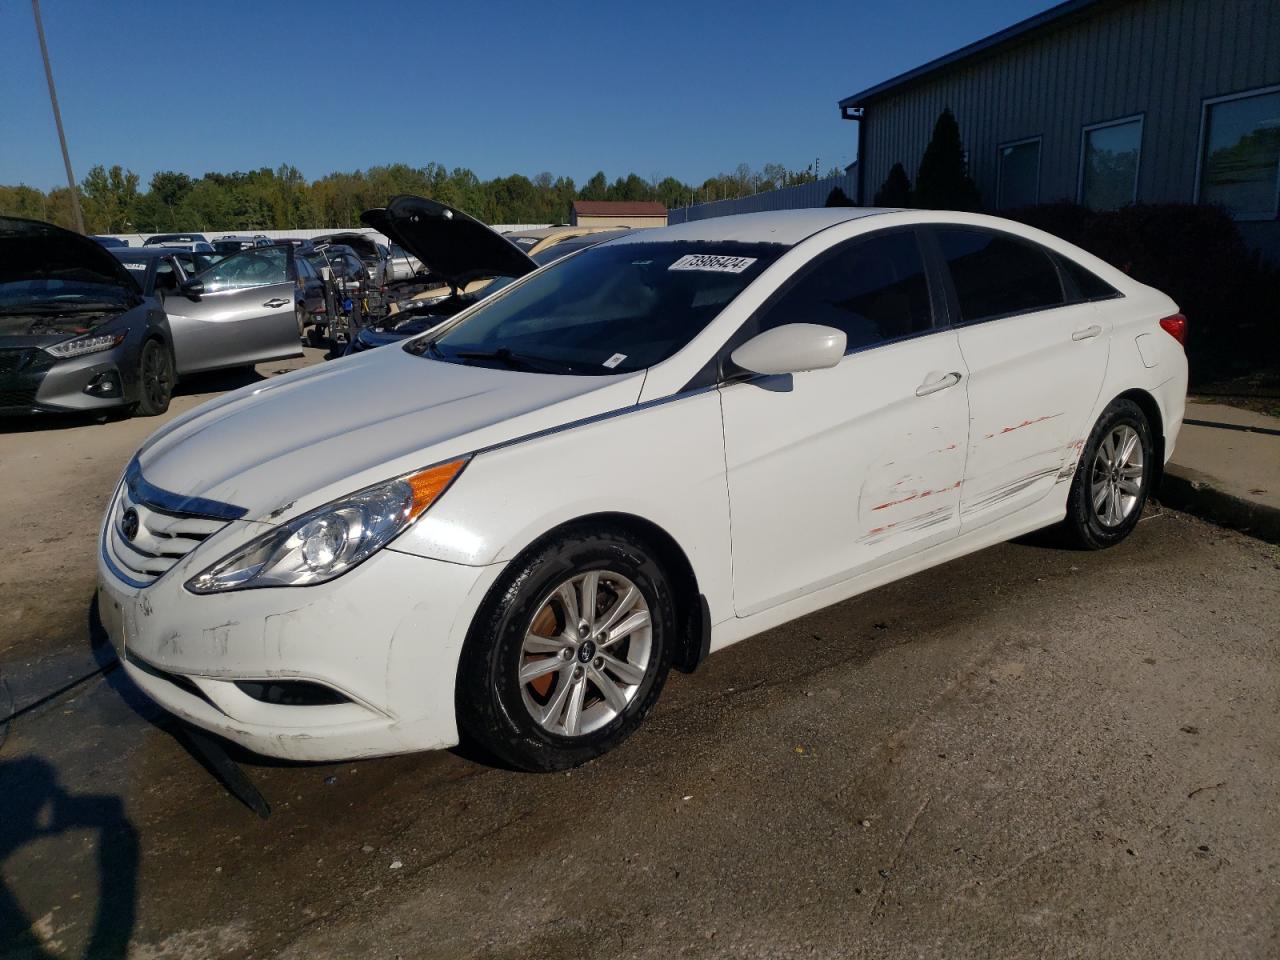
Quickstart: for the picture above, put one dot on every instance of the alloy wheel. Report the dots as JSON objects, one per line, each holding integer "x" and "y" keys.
{"x": 586, "y": 653}
{"x": 1116, "y": 478}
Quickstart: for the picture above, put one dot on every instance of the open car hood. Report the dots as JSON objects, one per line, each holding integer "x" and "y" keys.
{"x": 453, "y": 246}
{"x": 33, "y": 249}
{"x": 363, "y": 244}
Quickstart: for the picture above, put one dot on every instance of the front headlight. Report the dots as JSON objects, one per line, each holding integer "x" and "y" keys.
{"x": 330, "y": 540}
{"x": 78, "y": 347}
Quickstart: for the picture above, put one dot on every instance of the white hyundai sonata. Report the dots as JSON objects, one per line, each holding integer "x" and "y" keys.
{"x": 510, "y": 528}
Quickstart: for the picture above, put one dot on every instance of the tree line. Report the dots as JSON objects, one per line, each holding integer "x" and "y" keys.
{"x": 114, "y": 201}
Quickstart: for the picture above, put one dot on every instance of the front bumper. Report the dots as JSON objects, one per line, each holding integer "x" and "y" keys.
{"x": 34, "y": 381}
{"x": 384, "y": 638}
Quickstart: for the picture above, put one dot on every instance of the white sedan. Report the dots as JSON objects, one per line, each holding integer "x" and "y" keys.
{"x": 511, "y": 528}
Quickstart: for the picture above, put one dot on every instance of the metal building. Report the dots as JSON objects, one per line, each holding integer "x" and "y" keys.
{"x": 1104, "y": 102}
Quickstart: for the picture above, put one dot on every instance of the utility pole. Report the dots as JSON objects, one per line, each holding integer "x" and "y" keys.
{"x": 57, "y": 118}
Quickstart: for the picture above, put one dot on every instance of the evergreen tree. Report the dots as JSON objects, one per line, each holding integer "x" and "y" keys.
{"x": 838, "y": 198}
{"x": 896, "y": 189}
{"x": 943, "y": 182}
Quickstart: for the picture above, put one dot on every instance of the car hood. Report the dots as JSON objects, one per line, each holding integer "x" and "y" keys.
{"x": 302, "y": 439}
{"x": 32, "y": 249}
{"x": 453, "y": 246}
{"x": 364, "y": 246}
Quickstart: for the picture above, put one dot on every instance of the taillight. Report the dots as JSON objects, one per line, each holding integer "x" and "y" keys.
{"x": 1176, "y": 327}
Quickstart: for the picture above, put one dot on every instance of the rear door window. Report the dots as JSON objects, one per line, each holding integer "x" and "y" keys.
{"x": 874, "y": 289}
{"x": 998, "y": 275}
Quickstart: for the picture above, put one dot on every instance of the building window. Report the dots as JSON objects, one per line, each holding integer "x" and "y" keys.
{"x": 1018, "y": 180}
{"x": 1109, "y": 160}
{"x": 1240, "y": 154}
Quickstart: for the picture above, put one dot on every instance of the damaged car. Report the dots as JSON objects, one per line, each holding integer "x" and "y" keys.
{"x": 77, "y": 335}
{"x": 418, "y": 316}
{"x": 510, "y": 529}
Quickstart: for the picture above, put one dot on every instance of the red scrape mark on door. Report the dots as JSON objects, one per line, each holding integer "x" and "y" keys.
{"x": 916, "y": 496}
{"x": 949, "y": 446}
{"x": 1028, "y": 423}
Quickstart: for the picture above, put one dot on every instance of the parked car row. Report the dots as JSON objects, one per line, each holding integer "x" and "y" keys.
{"x": 87, "y": 328}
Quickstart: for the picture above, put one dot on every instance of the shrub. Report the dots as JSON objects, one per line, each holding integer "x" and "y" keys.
{"x": 1195, "y": 254}
{"x": 1063, "y": 219}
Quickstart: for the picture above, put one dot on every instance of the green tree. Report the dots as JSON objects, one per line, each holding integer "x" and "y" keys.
{"x": 110, "y": 198}
{"x": 943, "y": 181}
{"x": 838, "y": 198}
{"x": 896, "y": 189}
{"x": 597, "y": 188}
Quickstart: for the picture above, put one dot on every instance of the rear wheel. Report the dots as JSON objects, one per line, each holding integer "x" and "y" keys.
{"x": 569, "y": 651}
{"x": 1112, "y": 478}
{"x": 155, "y": 380}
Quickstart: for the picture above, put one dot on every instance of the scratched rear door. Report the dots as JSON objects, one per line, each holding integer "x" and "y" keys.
{"x": 1036, "y": 363}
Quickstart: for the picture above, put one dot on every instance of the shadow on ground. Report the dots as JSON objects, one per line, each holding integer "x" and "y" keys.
{"x": 36, "y": 806}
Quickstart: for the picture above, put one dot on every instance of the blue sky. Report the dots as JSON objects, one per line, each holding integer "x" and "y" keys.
{"x": 683, "y": 89}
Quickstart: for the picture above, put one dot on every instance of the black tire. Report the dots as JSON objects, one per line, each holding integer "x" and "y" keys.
{"x": 155, "y": 380}
{"x": 491, "y": 708}
{"x": 1084, "y": 526}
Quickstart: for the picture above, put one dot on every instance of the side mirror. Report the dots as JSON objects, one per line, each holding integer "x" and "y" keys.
{"x": 193, "y": 288}
{"x": 792, "y": 348}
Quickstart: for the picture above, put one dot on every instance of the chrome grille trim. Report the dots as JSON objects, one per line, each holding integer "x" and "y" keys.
{"x": 169, "y": 527}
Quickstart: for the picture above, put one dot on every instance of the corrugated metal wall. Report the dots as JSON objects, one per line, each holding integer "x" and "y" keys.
{"x": 1159, "y": 58}
{"x": 788, "y": 198}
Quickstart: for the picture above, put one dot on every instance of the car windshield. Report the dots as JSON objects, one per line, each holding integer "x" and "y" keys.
{"x": 614, "y": 308}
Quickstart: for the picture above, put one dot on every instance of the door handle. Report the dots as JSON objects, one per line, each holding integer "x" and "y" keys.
{"x": 275, "y": 302}
{"x": 1087, "y": 333}
{"x": 940, "y": 382}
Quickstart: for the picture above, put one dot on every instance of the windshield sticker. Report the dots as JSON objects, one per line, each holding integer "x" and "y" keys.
{"x": 616, "y": 359}
{"x": 135, "y": 266}
{"x": 715, "y": 264}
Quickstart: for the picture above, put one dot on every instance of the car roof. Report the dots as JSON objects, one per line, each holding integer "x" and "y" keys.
{"x": 787, "y": 227}
{"x": 542, "y": 233}
{"x": 153, "y": 252}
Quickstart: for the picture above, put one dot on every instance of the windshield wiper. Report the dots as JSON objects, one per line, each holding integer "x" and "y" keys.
{"x": 516, "y": 361}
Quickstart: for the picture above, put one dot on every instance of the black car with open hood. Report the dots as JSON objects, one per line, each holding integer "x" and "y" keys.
{"x": 76, "y": 332}
{"x": 452, "y": 246}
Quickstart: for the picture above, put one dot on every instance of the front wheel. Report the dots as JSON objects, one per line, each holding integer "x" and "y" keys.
{"x": 155, "y": 379}
{"x": 1112, "y": 478}
{"x": 568, "y": 652}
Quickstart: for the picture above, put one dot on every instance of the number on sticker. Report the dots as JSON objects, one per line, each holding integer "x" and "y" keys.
{"x": 712, "y": 262}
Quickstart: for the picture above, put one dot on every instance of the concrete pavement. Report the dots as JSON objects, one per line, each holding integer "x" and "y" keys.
{"x": 1226, "y": 468}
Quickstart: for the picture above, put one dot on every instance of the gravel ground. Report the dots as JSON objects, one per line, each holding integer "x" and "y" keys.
{"x": 1026, "y": 752}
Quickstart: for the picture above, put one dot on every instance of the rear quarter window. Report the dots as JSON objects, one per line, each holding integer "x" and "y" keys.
{"x": 1089, "y": 286}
